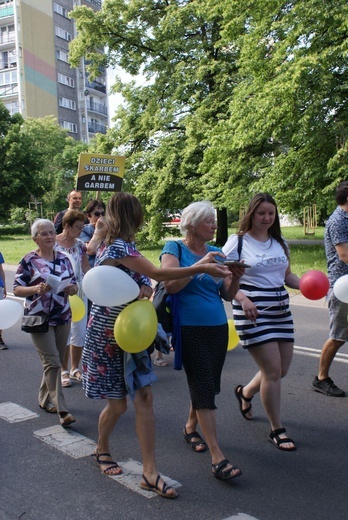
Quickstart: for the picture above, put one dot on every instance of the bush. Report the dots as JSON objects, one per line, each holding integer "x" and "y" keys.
{"x": 14, "y": 229}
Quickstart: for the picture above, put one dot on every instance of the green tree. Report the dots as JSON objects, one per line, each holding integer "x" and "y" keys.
{"x": 38, "y": 161}
{"x": 164, "y": 125}
{"x": 287, "y": 126}
{"x": 240, "y": 97}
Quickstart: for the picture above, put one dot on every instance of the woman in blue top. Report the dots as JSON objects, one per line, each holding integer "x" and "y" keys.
{"x": 203, "y": 326}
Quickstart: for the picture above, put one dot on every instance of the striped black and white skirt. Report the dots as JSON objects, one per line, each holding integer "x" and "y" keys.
{"x": 274, "y": 322}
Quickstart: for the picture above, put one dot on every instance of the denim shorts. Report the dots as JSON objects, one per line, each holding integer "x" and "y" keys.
{"x": 338, "y": 312}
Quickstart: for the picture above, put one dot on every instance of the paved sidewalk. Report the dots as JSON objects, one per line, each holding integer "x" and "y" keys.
{"x": 299, "y": 299}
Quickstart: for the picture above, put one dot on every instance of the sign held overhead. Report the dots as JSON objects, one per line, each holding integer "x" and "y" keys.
{"x": 99, "y": 172}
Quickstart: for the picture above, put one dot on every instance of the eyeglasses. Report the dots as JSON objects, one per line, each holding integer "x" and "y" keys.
{"x": 99, "y": 213}
{"x": 45, "y": 234}
{"x": 79, "y": 228}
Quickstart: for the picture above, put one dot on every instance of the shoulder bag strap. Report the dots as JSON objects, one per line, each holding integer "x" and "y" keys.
{"x": 240, "y": 245}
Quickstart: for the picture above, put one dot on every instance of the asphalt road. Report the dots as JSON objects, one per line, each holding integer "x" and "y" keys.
{"x": 39, "y": 481}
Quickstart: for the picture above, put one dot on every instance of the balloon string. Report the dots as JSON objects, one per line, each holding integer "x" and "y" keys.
{"x": 270, "y": 306}
{"x": 36, "y": 299}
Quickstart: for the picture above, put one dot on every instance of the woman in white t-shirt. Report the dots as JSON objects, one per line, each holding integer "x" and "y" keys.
{"x": 261, "y": 309}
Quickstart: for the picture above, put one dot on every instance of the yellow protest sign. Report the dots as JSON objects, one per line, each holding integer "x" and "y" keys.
{"x": 99, "y": 172}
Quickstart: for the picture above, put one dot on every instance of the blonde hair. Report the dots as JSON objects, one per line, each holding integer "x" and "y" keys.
{"x": 124, "y": 217}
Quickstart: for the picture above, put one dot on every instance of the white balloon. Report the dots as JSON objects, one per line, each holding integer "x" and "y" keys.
{"x": 109, "y": 286}
{"x": 10, "y": 313}
{"x": 340, "y": 288}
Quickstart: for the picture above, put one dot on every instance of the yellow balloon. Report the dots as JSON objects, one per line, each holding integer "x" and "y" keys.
{"x": 78, "y": 308}
{"x": 136, "y": 326}
{"x": 233, "y": 338}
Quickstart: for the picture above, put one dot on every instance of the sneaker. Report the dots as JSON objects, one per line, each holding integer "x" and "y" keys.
{"x": 3, "y": 345}
{"x": 327, "y": 387}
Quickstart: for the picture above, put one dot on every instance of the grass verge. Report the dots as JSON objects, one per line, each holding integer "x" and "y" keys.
{"x": 303, "y": 257}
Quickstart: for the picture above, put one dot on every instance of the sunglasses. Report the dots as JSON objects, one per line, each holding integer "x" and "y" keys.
{"x": 99, "y": 213}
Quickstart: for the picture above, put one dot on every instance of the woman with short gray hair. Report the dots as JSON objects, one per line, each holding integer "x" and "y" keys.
{"x": 31, "y": 283}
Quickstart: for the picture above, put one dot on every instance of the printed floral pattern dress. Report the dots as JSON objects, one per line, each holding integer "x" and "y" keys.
{"x": 102, "y": 358}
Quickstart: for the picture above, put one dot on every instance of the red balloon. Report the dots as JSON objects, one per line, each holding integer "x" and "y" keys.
{"x": 314, "y": 285}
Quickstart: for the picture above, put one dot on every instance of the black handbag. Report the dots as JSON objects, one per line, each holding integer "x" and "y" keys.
{"x": 34, "y": 324}
{"x": 159, "y": 301}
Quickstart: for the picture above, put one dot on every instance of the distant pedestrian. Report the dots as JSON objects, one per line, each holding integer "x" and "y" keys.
{"x": 336, "y": 249}
{"x": 74, "y": 199}
{"x": 95, "y": 210}
{"x": 69, "y": 243}
{"x": 3, "y": 294}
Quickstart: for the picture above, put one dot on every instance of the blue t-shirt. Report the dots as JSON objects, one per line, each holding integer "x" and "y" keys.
{"x": 199, "y": 301}
{"x": 336, "y": 232}
{"x": 2, "y": 261}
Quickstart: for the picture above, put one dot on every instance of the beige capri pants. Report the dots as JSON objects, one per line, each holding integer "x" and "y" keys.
{"x": 51, "y": 347}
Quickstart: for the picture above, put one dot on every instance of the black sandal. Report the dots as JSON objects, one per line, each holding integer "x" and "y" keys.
{"x": 110, "y": 463}
{"x": 161, "y": 492}
{"x": 239, "y": 394}
{"x": 278, "y": 441}
{"x": 188, "y": 438}
{"x": 227, "y": 474}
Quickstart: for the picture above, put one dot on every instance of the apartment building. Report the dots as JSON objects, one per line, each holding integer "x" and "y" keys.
{"x": 35, "y": 77}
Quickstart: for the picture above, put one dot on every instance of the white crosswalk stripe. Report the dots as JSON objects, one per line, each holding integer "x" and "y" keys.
{"x": 14, "y": 413}
{"x": 77, "y": 446}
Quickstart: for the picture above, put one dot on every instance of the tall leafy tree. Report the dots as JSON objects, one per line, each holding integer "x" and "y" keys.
{"x": 164, "y": 125}
{"x": 38, "y": 162}
{"x": 287, "y": 126}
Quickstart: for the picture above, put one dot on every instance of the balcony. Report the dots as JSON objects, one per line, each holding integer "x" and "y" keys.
{"x": 95, "y": 128}
{"x": 96, "y": 3}
{"x": 97, "y": 107}
{"x": 5, "y": 64}
{"x": 5, "y": 12}
{"x": 96, "y": 85}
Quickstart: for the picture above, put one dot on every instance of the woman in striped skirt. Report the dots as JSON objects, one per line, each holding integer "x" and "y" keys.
{"x": 261, "y": 309}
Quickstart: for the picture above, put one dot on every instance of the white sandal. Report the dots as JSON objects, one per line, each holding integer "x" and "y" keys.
{"x": 65, "y": 378}
{"x": 159, "y": 362}
{"x": 74, "y": 376}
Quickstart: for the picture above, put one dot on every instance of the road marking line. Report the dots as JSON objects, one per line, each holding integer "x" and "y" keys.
{"x": 131, "y": 476}
{"x": 312, "y": 352}
{"x": 241, "y": 516}
{"x": 68, "y": 441}
{"x": 77, "y": 446}
{"x": 14, "y": 413}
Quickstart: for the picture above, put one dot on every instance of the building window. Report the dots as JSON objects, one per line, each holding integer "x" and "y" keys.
{"x": 12, "y": 107}
{"x": 71, "y": 127}
{"x": 7, "y": 34}
{"x": 8, "y": 78}
{"x": 61, "y": 33}
{"x": 66, "y": 80}
{"x": 63, "y": 56}
{"x": 67, "y": 103}
{"x": 60, "y": 10}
